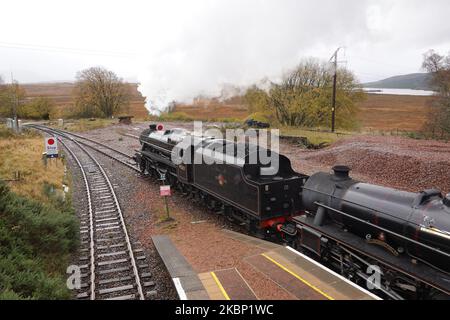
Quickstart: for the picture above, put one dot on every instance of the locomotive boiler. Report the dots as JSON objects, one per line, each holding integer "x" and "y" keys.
{"x": 410, "y": 231}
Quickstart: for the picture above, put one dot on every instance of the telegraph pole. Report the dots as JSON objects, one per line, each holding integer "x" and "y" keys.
{"x": 15, "y": 104}
{"x": 333, "y": 101}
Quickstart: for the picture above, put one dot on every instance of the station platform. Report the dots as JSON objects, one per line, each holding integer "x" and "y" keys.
{"x": 297, "y": 274}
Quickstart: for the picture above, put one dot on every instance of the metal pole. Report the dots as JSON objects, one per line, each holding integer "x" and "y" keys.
{"x": 167, "y": 208}
{"x": 333, "y": 101}
{"x": 333, "y": 104}
{"x": 15, "y": 104}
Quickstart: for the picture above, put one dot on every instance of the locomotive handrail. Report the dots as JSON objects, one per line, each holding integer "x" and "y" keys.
{"x": 352, "y": 202}
{"x": 384, "y": 230}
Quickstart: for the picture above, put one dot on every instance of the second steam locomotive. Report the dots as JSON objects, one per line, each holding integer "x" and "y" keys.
{"x": 347, "y": 225}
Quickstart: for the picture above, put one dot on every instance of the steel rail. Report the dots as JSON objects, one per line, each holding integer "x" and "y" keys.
{"x": 91, "y": 218}
{"x": 124, "y": 228}
{"x": 66, "y": 135}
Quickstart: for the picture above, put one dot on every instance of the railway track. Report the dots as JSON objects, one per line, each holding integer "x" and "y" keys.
{"x": 112, "y": 267}
{"x": 102, "y": 148}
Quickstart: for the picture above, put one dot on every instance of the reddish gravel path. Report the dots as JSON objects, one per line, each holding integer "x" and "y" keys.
{"x": 403, "y": 163}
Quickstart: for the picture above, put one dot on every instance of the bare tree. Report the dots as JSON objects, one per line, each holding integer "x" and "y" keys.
{"x": 438, "y": 122}
{"x": 100, "y": 92}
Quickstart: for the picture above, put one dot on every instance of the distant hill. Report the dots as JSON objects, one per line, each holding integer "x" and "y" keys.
{"x": 415, "y": 81}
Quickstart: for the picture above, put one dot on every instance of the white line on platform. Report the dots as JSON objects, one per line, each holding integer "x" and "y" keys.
{"x": 180, "y": 290}
{"x": 334, "y": 274}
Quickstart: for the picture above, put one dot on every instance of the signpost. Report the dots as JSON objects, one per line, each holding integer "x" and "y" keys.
{"x": 165, "y": 192}
{"x": 51, "y": 147}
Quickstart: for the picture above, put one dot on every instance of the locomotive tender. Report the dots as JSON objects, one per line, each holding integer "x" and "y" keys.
{"x": 348, "y": 225}
{"x": 233, "y": 186}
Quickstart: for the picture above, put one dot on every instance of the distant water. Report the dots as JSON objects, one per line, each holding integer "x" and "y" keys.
{"x": 399, "y": 92}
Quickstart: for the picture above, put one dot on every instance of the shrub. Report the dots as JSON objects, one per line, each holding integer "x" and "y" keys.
{"x": 35, "y": 245}
{"x": 37, "y": 109}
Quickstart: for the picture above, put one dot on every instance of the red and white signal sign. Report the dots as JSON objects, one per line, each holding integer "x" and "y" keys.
{"x": 51, "y": 147}
{"x": 164, "y": 191}
{"x": 160, "y": 127}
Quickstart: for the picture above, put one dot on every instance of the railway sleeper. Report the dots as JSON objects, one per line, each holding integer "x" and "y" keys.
{"x": 104, "y": 206}
{"x": 114, "y": 270}
{"x": 149, "y": 283}
{"x": 112, "y": 235}
{"x": 146, "y": 275}
{"x": 105, "y": 211}
{"x": 116, "y": 289}
{"x": 83, "y": 295}
{"x": 112, "y": 262}
{"x": 103, "y": 197}
{"x": 111, "y": 254}
{"x": 125, "y": 297}
{"x": 109, "y": 239}
{"x": 111, "y": 246}
{"x": 106, "y": 216}
{"x": 112, "y": 280}
{"x": 107, "y": 219}
{"x": 108, "y": 224}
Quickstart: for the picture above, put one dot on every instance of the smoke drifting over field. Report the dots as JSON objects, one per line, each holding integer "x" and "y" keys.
{"x": 207, "y": 44}
{"x": 240, "y": 42}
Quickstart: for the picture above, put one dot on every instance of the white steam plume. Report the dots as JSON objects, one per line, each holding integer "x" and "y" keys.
{"x": 206, "y": 44}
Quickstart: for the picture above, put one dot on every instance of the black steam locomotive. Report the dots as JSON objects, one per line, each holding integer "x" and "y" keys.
{"x": 225, "y": 179}
{"x": 348, "y": 225}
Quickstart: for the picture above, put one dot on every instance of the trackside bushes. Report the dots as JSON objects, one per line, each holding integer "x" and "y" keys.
{"x": 36, "y": 242}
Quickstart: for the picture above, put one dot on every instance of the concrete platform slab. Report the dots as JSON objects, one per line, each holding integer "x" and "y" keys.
{"x": 302, "y": 277}
{"x": 235, "y": 285}
{"x": 187, "y": 283}
{"x": 298, "y": 289}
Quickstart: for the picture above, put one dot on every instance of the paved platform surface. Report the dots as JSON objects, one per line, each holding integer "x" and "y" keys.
{"x": 301, "y": 276}
{"x": 297, "y": 274}
{"x": 186, "y": 280}
{"x": 227, "y": 285}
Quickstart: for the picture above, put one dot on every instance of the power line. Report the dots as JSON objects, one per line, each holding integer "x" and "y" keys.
{"x": 22, "y": 46}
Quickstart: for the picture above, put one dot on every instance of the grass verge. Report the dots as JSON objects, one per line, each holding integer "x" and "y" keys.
{"x": 38, "y": 228}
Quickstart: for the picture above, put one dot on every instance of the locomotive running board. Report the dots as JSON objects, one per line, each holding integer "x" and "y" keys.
{"x": 421, "y": 272}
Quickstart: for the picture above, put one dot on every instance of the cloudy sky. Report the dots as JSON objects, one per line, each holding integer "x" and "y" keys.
{"x": 178, "y": 49}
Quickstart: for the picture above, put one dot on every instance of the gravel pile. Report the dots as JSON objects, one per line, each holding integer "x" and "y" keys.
{"x": 411, "y": 165}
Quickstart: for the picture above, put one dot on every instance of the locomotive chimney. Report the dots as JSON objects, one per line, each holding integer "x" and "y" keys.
{"x": 341, "y": 172}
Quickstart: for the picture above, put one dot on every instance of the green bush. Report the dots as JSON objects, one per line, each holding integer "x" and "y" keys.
{"x": 37, "y": 109}
{"x": 36, "y": 242}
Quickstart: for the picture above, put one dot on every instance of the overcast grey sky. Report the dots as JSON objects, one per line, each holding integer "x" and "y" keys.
{"x": 179, "y": 48}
